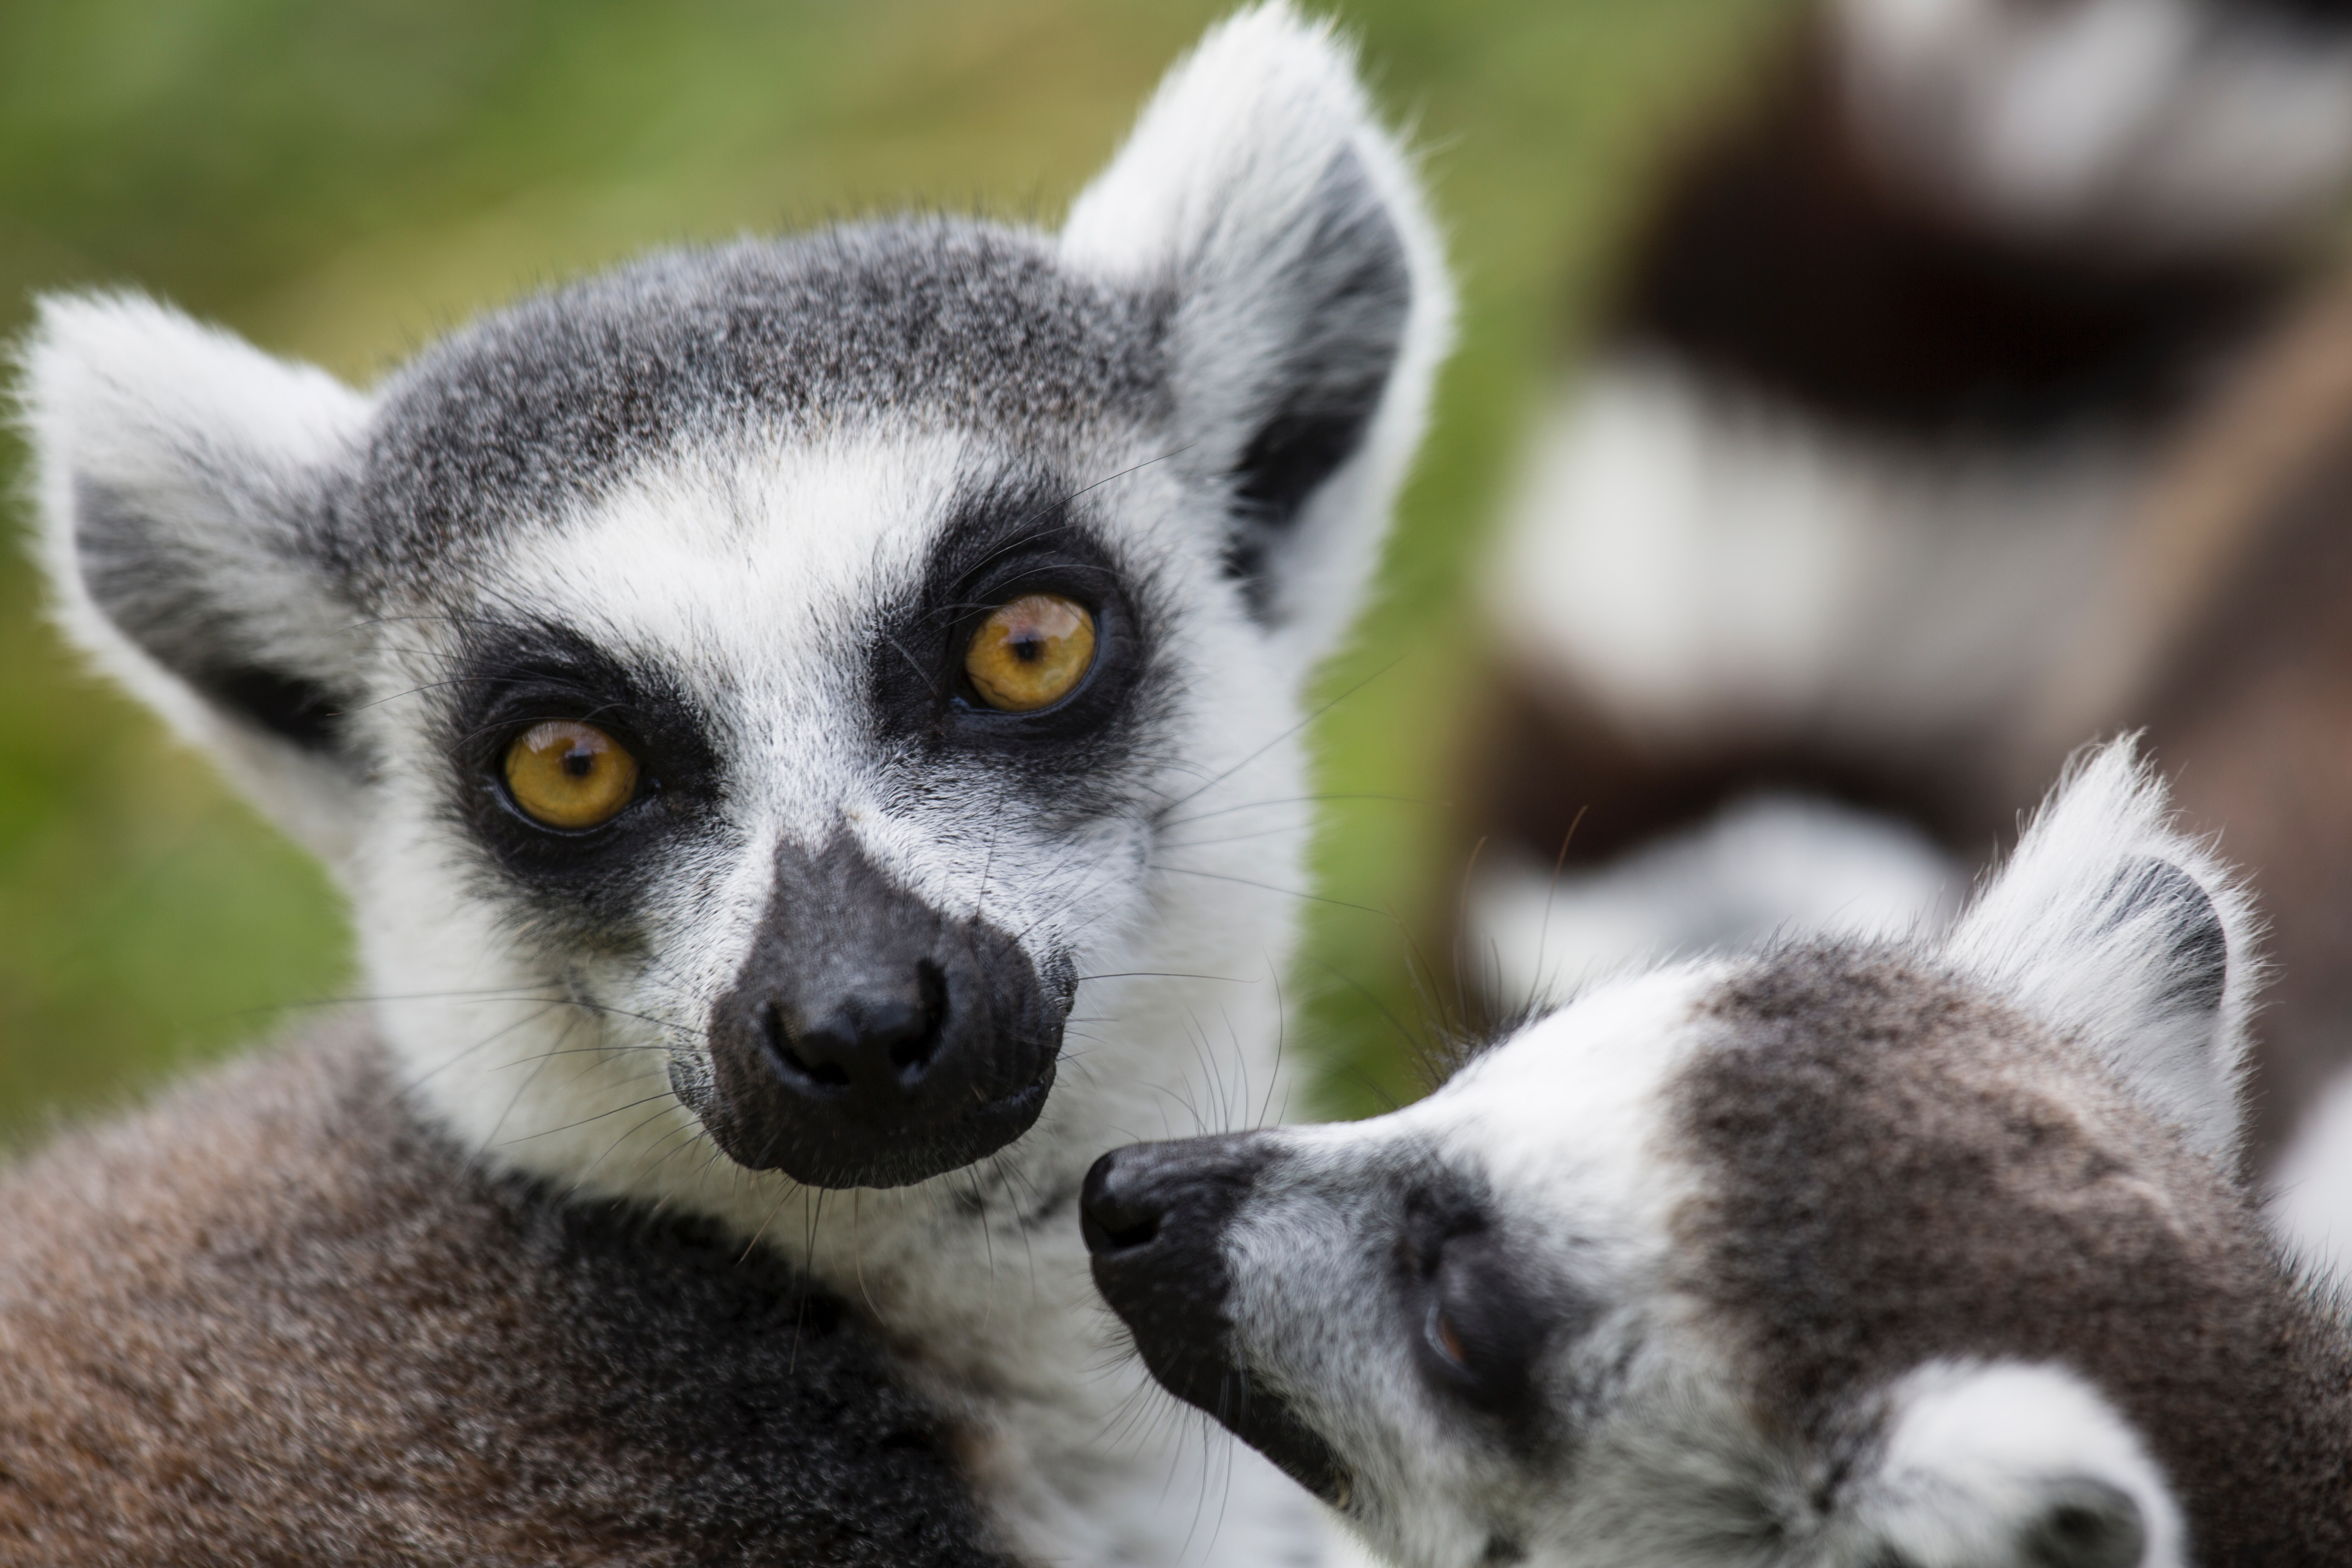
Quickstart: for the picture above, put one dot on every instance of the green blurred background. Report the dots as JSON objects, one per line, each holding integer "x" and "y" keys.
{"x": 342, "y": 179}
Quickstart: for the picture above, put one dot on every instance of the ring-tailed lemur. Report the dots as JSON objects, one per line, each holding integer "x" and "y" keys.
{"x": 810, "y": 730}
{"x": 1923, "y": 1254}
{"x": 1887, "y": 374}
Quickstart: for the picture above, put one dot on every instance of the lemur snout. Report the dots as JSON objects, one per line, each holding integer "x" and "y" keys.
{"x": 1155, "y": 1218}
{"x": 871, "y": 1041}
{"x": 1144, "y": 1204}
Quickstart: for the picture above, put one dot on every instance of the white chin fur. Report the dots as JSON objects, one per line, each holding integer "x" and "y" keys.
{"x": 1704, "y": 567}
{"x": 2169, "y": 125}
{"x": 1767, "y": 866}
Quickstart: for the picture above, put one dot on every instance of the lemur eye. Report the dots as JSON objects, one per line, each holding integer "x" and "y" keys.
{"x": 1445, "y": 1338}
{"x": 567, "y": 774}
{"x": 1030, "y": 653}
{"x": 1481, "y": 1329}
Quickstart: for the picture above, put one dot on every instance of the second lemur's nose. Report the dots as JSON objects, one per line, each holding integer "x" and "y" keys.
{"x": 1155, "y": 1218}
{"x": 1119, "y": 1208}
{"x": 1153, "y": 1199}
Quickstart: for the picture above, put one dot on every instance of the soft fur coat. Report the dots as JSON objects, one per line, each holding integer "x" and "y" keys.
{"x": 273, "y": 1320}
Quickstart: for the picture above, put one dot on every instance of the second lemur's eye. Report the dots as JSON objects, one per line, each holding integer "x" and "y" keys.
{"x": 1030, "y": 653}
{"x": 570, "y": 775}
{"x": 1445, "y": 1338}
{"x": 1481, "y": 1329}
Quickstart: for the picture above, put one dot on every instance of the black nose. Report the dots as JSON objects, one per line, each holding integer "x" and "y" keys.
{"x": 874, "y": 1042}
{"x": 871, "y": 1040}
{"x": 1157, "y": 1218}
{"x": 1123, "y": 1202}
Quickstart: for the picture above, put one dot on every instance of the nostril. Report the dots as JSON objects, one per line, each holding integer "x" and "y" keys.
{"x": 1112, "y": 1220}
{"x": 789, "y": 1063}
{"x": 915, "y": 1030}
{"x": 1141, "y": 1232}
{"x": 913, "y": 1051}
{"x": 829, "y": 1074}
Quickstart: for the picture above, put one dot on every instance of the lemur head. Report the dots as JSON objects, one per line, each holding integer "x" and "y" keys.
{"x": 763, "y": 687}
{"x": 1888, "y": 1256}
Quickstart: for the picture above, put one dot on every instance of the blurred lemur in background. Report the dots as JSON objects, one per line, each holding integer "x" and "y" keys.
{"x": 809, "y": 733}
{"x": 1940, "y": 415}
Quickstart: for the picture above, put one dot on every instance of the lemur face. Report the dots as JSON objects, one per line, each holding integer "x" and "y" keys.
{"x": 751, "y": 694}
{"x": 897, "y": 701}
{"x": 1838, "y": 1255}
{"x": 1429, "y": 1318}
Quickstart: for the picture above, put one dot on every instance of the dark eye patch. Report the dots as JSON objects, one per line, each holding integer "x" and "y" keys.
{"x": 1481, "y": 1311}
{"x": 514, "y": 677}
{"x": 1481, "y": 1329}
{"x": 1004, "y": 539}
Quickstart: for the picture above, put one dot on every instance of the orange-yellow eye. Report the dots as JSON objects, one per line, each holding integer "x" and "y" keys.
{"x": 1031, "y": 653}
{"x": 568, "y": 774}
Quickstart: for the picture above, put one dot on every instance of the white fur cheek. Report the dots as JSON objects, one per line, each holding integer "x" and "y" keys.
{"x": 513, "y": 1060}
{"x": 1183, "y": 935}
{"x": 552, "y": 1063}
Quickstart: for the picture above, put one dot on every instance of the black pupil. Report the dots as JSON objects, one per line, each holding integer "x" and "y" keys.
{"x": 579, "y": 762}
{"x": 1029, "y": 647}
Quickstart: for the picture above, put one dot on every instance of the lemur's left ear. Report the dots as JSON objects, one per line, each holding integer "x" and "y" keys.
{"x": 2115, "y": 926}
{"x": 183, "y": 479}
{"x": 1310, "y": 302}
{"x": 1981, "y": 1464}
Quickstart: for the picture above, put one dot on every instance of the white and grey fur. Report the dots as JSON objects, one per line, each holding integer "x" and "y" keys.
{"x": 1876, "y": 406}
{"x": 1914, "y": 1253}
{"x": 737, "y": 502}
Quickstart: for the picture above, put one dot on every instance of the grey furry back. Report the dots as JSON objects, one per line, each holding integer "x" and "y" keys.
{"x": 270, "y": 1320}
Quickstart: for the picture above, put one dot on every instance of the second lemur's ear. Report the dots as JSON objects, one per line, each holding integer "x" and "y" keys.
{"x": 2000, "y": 1463}
{"x": 1311, "y": 306}
{"x": 182, "y": 479}
{"x": 2114, "y": 926}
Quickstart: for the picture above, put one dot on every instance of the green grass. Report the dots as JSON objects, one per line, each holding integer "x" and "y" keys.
{"x": 340, "y": 179}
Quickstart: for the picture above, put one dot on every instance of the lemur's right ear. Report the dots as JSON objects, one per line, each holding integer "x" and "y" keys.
{"x": 1261, "y": 195}
{"x": 2114, "y": 926}
{"x": 181, "y": 478}
{"x": 2008, "y": 1463}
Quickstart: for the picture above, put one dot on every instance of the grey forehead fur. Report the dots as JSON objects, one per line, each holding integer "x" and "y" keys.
{"x": 1896, "y": 1167}
{"x": 924, "y": 322}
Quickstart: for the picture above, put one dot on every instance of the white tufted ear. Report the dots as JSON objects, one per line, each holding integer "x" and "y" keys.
{"x": 2113, "y": 925}
{"x": 1310, "y": 302}
{"x": 1980, "y": 1466}
{"x": 180, "y": 477}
